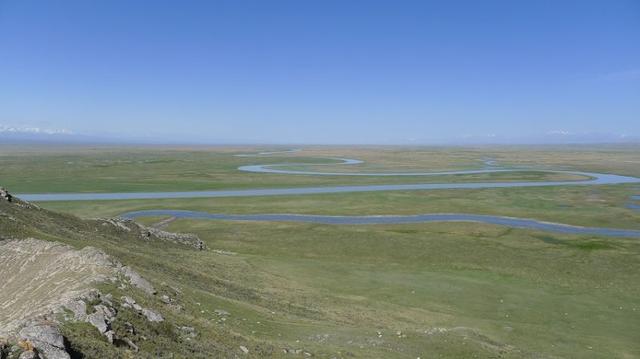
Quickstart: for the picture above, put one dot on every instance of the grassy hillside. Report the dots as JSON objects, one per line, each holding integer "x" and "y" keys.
{"x": 21, "y": 220}
{"x": 398, "y": 291}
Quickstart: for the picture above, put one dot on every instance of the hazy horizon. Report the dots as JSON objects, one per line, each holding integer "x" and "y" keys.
{"x": 289, "y": 72}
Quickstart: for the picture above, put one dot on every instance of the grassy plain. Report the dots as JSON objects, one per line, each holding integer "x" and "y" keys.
{"x": 450, "y": 290}
{"x": 106, "y": 169}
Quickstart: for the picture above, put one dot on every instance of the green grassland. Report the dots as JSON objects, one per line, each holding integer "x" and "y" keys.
{"x": 437, "y": 290}
{"x": 598, "y": 206}
{"x": 452, "y": 290}
{"x": 105, "y": 169}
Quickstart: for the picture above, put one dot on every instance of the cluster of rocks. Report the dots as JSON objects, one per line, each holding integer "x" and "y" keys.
{"x": 35, "y": 333}
{"x": 5, "y": 195}
{"x": 188, "y": 332}
{"x": 181, "y": 238}
{"x": 135, "y": 279}
{"x": 128, "y": 225}
{"x": 152, "y": 316}
{"x": 100, "y": 317}
{"x": 46, "y": 283}
{"x": 41, "y": 337}
{"x": 38, "y": 339}
{"x": 296, "y": 352}
{"x": 170, "y": 302}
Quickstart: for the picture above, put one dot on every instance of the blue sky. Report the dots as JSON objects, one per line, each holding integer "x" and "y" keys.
{"x": 322, "y": 71}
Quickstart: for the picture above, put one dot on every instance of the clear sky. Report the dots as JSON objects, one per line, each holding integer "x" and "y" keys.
{"x": 321, "y": 71}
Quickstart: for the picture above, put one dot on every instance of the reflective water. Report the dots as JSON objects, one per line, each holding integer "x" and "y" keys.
{"x": 595, "y": 179}
{"x": 421, "y": 218}
{"x": 592, "y": 179}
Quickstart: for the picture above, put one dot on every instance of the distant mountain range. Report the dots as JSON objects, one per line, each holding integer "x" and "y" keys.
{"x": 9, "y": 134}
{"x": 33, "y": 130}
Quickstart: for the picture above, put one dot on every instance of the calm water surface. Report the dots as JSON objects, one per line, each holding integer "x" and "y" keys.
{"x": 421, "y": 218}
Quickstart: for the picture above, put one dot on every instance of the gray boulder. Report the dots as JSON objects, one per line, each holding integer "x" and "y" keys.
{"x": 137, "y": 281}
{"x": 4, "y": 194}
{"x": 152, "y": 316}
{"x": 27, "y": 355}
{"x": 47, "y": 339}
{"x": 107, "y": 312}
{"x": 78, "y": 308}
{"x": 99, "y": 321}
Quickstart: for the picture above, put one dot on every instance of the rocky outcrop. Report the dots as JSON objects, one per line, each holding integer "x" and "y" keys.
{"x": 40, "y": 338}
{"x": 150, "y": 233}
{"x": 101, "y": 315}
{"x": 46, "y": 339}
{"x": 136, "y": 280}
{"x": 38, "y": 276}
{"x": 181, "y": 238}
{"x": 45, "y": 281}
{"x": 151, "y": 315}
{"x": 5, "y": 195}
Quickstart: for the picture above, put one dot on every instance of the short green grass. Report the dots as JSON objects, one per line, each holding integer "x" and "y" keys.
{"x": 149, "y": 169}
{"x": 330, "y": 289}
{"x": 452, "y": 290}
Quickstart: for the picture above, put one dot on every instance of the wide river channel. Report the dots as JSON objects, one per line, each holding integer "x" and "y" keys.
{"x": 591, "y": 179}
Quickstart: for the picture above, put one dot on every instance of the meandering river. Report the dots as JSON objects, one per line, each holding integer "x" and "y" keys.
{"x": 591, "y": 179}
{"x": 420, "y": 218}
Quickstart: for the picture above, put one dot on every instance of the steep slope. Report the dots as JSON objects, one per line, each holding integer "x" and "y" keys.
{"x": 72, "y": 300}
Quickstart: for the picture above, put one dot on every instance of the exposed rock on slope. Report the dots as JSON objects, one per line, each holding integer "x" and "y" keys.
{"x": 39, "y": 276}
{"x": 5, "y": 195}
{"x": 129, "y": 226}
{"x": 41, "y": 282}
{"x": 46, "y": 340}
{"x": 182, "y": 238}
{"x": 49, "y": 289}
{"x": 43, "y": 279}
